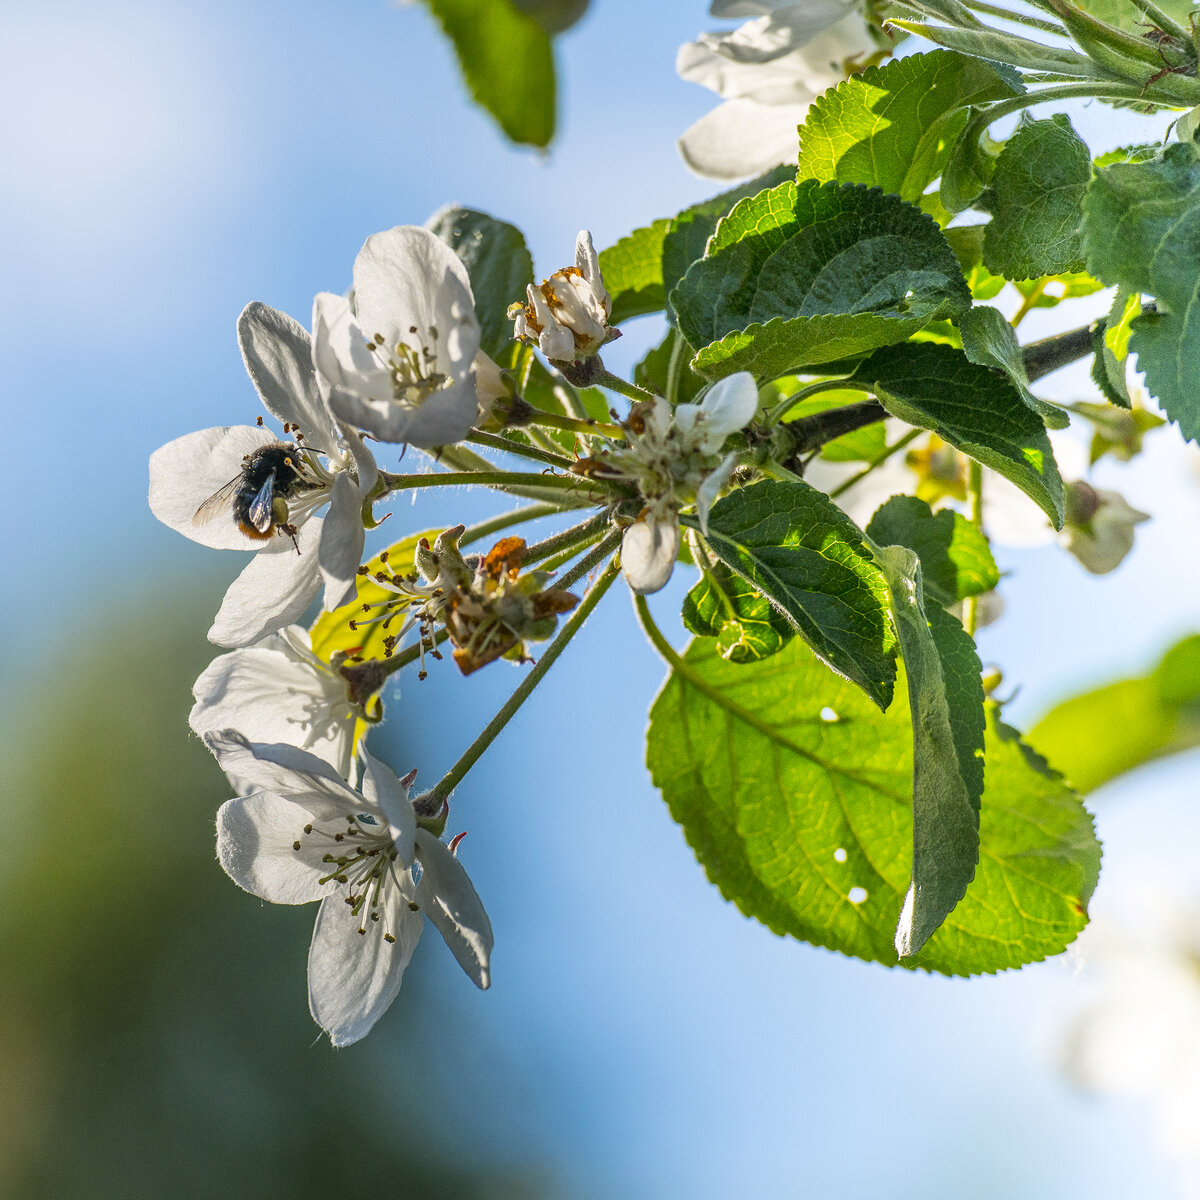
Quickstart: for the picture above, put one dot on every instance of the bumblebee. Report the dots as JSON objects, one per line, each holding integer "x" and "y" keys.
{"x": 258, "y": 495}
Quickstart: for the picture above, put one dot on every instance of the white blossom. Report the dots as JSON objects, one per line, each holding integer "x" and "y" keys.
{"x": 674, "y": 459}
{"x": 332, "y": 467}
{"x": 399, "y": 354}
{"x": 566, "y": 316}
{"x": 768, "y": 71}
{"x": 304, "y": 834}
{"x": 1100, "y": 527}
{"x": 279, "y": 691}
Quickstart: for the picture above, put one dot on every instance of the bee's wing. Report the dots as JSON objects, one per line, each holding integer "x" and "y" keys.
{"x": 262, "y": 506}
{"x": 217, "y": 503}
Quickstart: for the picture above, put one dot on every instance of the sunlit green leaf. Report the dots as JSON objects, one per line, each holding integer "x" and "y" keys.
{"x": 811, "y": 273}
{"x": 632, "y": 270}
{"x": 507, "y": 62}
{"x": 1100, "y": 734}
{"x": 794, "y": 792}
{"x": 745, "y": 623}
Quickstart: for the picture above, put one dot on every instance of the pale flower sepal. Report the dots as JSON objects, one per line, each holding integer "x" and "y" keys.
{"x": 1100, "y": 527}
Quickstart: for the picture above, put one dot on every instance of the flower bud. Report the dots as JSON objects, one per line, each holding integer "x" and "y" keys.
{"x": 566, "y": 317}
{"x": 1099, "y": 527}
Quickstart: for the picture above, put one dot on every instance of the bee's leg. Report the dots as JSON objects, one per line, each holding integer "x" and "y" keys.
{"x": 291, "y": 531}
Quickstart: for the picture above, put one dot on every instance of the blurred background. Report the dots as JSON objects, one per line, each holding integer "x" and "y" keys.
{"x": 161, "y": 164}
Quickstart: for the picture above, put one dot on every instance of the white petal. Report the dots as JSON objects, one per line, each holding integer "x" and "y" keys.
{"x": 277, "y": 352}
{"x": 340, "y": 351}
{"x": 381, "y": 786}
{"x": 649, "y": 549}
{"x": 287, "y": 771}
{"x": 256, "y": 837}
{"x": 276, "y": 691}
{"x": 710, "y": 489}
{"x": 408, "y": 276}
{"x": 448, "y": 898}
{"x": 729, "y": 405}
{"x": 340, "y": 549}
{"x": 186, "y": 472}
{"x": 274, "y": 590}
{"x": 740, "y": 138}
{"x": 353, "y": 977}
{"x": 556, "y": 342}
{"x": 365, "y": 466}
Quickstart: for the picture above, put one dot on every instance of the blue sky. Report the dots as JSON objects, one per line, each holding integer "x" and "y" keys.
{"x": 165, "y": 163}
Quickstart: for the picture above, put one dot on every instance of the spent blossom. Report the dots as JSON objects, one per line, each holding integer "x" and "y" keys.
{"x": 401, "y": 354}
{"x": 768, "y": 71}
{"x": 241, "y": 488}
{"x": 566, "y": 316}
{"x": 674, "y": 459}
{"x": 302, "y": 833}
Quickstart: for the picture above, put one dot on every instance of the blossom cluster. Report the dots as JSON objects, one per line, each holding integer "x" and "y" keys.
{"x": 316, "y": 815}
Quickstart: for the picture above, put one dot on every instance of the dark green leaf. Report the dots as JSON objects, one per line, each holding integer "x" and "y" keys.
{"x": 498, "y": 262}
{"x": 793, "y": 790}
{"x": 1112, "y": 729}
{"x": 1035, "y": 196}
{"x": 745, "y": 623}
{"x": 1142, "y": 231}
{"x": 973, "y": 408}
{"x": 989, "y": 340}
{"x": 945, "y": 697}
{"x": 893, "y": 125}
{"x": 1128, "y": 15}
{"x": 807, "y": 557}
{"x": 812, "y": 273}
{"x": 632, "y": 270}
{"x": 956, "y": 561}
{"x": 507, "y": 62}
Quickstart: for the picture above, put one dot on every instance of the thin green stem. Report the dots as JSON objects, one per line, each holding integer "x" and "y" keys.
{"x": 454, "y": 776}
{"x": 994, "y": 10}
{"x": 1028, "y": 303}
{"x": 479, "y": 438}
{"x": 577, "y": 425}
{"x": 577, "y": 535}
{"x": 880, "y": 458}
{"x": 615, "y": 383}
{"x": 780, "y": 410}
{"x": 492, "y": 479}
{"x": 675, "y": 368}
{"x": 584, "y": 565}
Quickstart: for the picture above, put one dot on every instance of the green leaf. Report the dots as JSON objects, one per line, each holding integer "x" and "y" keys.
{"x": 893, "y": 125}
{"x": 1102, "y": 733}
{"x": 807, "y": 557}
{"x": 745, "y": 623}
{"x": 975, "y": 409}
{"x": 507, "y": 62}
{"x": 793, "y": 790}
{"x": 989, "y": 340}
{"x": 1035, "y": 196}
{"x": 956, "y": 561}
{"x": 1051, "y": 290}
{"x": 498, "y": 262}
{"x": 1109, "y": 334}
{"x": 945, "y": 696}
{"x": 812, "y": 273}
{"x": 967, "y": 243}
{"x": 691, "y": 229}
{"x": 1142, "y": 231}
{"x": 632, "y": 270}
